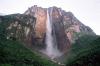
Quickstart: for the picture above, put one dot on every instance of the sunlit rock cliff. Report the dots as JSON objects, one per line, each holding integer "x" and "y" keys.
{"x": 31, "y": 28}
{"x": 65, "y": 26}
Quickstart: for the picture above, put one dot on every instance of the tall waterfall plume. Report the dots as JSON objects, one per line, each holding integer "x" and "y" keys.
{"x": 51, "y": 47}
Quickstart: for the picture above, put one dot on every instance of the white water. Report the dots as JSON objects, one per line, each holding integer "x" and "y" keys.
{"x": 51, "y": 49}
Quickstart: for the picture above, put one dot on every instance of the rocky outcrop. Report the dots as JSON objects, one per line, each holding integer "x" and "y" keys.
{"x": 41, "y": 16}
{"x": 65, "y": 25}
{"x": 30, "y": 27}
{"x": 19, "y": 27}
{"x": 40, "y": 27}
{"x": 58, "y": 29}
{"x": 73, "y": 26}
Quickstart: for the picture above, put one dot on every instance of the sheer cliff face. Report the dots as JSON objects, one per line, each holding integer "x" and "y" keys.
{"x": 58, "y": 29}
{"x": 57, "y": 24}
{"x": 66, "y": 27}
{"x": 41, "y": 17}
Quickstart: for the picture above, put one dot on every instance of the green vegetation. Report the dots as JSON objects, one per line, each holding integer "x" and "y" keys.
{"x": 21, "y": 21}
{"x": 85, "y": 52}
{"x": 13, "y": 53}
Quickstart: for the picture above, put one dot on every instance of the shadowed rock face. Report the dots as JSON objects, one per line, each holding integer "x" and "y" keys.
{"x": 65, "y": 26}
{"x": 58, "y": 29}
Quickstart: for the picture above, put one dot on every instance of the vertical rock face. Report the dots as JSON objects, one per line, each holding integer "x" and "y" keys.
{"x": 58, "y": 29}
{"x": 65, "y": 26}
{"x": 41, "y": 16}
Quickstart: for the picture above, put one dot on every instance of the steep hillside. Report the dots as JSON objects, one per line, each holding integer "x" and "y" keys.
{"x": 64, "y": 26}
{"x": 13, "y": 53}
{"x": 19, "y": 26}
{"x": 85, "y": 52}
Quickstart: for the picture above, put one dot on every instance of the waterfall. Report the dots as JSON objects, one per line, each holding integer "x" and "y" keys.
{"x": 49, "y": 37}
{"x": 51, "y": 49}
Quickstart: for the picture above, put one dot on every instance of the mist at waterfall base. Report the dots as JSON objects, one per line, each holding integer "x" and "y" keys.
{"x": 51, "y": 47}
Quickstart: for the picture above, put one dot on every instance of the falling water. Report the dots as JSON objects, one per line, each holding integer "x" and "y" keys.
{"x": 49, "y": 38}
{"x": 51, "y": 49}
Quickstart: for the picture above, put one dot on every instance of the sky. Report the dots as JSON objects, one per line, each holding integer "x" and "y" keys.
{"x": 87, "y": 11}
